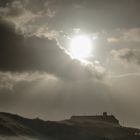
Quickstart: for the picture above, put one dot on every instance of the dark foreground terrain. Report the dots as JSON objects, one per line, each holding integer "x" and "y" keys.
{"x": 14, "y": 127}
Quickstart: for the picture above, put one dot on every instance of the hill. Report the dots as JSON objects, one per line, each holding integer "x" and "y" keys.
{"x": 14, "y": 127}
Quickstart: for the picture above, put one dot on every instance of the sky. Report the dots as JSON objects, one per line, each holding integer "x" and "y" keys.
{"x": 40, "y": 78}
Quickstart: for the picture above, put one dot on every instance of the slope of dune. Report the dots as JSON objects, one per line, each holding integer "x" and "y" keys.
{"x": 14, "y": 127}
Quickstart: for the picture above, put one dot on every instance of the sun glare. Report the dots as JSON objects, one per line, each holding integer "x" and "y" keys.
{"x": 80, "y": 47}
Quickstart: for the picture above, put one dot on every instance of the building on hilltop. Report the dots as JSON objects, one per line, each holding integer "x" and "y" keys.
{"x": 105, "y": 118}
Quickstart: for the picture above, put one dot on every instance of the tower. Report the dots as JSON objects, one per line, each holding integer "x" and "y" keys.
{"x": 104, "y": 114}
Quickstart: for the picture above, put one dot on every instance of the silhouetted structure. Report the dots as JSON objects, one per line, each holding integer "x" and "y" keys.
{"x": 13, "y": 127}
{"x": 104, "y": 113}
{"x": 105, "y": 118}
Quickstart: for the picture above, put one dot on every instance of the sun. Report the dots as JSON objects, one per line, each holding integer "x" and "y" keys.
{"x": 80, "y": 47}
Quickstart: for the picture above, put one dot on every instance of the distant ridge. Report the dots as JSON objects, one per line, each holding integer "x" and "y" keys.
{"x": 104, "y": 127}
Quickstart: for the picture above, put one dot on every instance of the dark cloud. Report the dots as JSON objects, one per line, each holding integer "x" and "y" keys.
{"x": 27, "y": 16}
{"x": 19, "y": 54}
{"x": 95, "y": 15}
{"x": 127, "y": 55}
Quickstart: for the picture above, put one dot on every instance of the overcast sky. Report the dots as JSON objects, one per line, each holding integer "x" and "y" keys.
{"x": 38, "y": 76}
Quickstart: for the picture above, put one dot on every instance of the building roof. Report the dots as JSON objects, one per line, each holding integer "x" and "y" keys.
{"x": 98, "y": 118}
